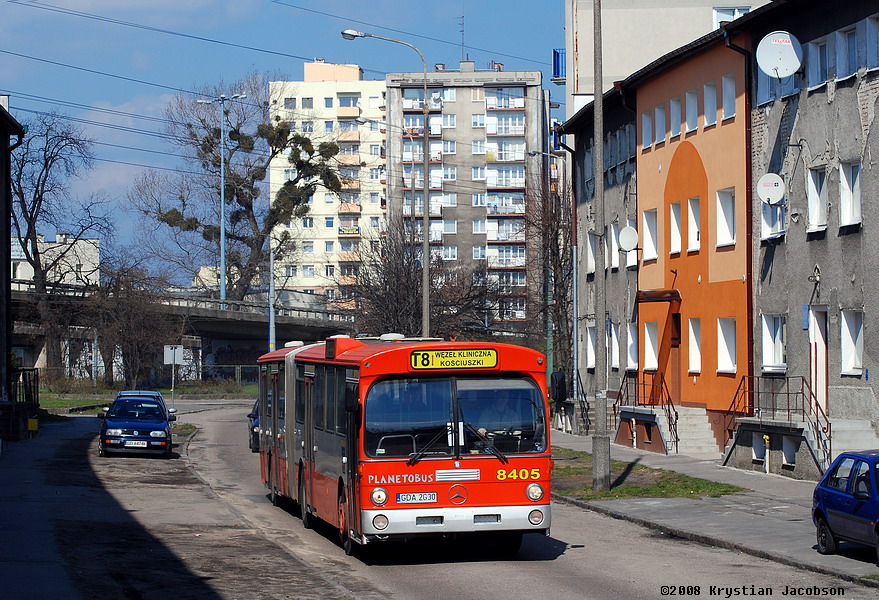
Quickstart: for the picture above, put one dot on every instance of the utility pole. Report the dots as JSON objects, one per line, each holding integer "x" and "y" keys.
{"x": 600, "y": 440}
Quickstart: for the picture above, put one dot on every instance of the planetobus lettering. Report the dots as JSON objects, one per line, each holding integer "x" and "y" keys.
{"x": 406, "y": 478}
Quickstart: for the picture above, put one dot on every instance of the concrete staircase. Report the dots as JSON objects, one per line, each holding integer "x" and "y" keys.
{"x": 852, "y": 434}
{"x": 694, "y": 432}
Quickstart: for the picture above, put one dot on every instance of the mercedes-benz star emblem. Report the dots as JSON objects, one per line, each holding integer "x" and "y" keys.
{"x": 458, "y": 494}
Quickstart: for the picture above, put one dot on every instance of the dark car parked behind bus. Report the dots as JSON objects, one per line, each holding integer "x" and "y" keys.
{"x": 845, "y": 503}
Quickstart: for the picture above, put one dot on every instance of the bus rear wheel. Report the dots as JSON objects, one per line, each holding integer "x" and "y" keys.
{"x": 303, "y": 506}
{"x": 345, "y": 539}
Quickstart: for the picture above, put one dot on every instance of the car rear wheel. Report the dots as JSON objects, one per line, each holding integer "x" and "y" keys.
{"x": 827, "y": 543}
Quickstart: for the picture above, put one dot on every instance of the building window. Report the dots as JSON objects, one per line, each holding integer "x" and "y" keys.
{"x": 307, "y": 222}
{"x": 374, "y": 222}
{"x": 290, "y": 103}
{"x": 477, "y": 94}
{"x": 817, "y": 199}
{"x": 728, "y": 83}
{"x": 709, "y": 101}
{"x": 632, "y": 346}
{"x": 646, "y": 130}
{"x": 693, "y": 225}
{"x": 478, "y": 174}
{"x": 376, "y": 173}
{"x": 375, "y": 149}
{"x": 632, "y": 255}
{"x": 726, "y": 345}
{"x": 450, "y": 226}
{"x": 478, "y": 225}
{"x": 614, "y": 254}
{"x": 449, "y": 146}
{"x": 329, "y": 246}
{"x": 307, "y": 126}
{"x": 695, "y": 349}
{"x": 477, "y": 120}
{"x": 774, "y": 330}
{"x": 308, "y": 270}
{"x": 375, "y": 197}
{"x": 675, "y": 226}
{"x": 348, "y": 101}
{"x": 846, "y": 53}
{"x": 450, "y": 253}
{"x": 478, "y": 146}
{"x": 726, "y": 217}
{"x": 659, "y": 121}
{"x": 479, "y": 252}
{"x": 450, "y": 173}
{"x": 590, "y": 253}
{"x": 328, "y": 103}
{"x": 480, "y": 199}
{"x": 329, "y": 270}
{"x": 873, "y": 42}
{"x": 614, "y": 344}
{"x": 449, "y": 121}
{"x": 449, "y": 94}
{"x": 849, "y": 193}
{"x": 590, "y": 346}
{"x": 818, "y": 66}
{"x": 292, "y": 270}
{"x": 772, "y": 223}
{"x": 328, "y": 127}
{"x": 329, "y": 222}
{"x": 330, "y": 198}
{"x": 308, "y": 247}
{"x": 692, "y": 107}
{"x": 651, "y": 346}
{"x": 725, "y": 14}
{"x": 674, "y": 116}
{"x": 852, "y": 342}
{"x": 650, "y": 248}
{"x": 308, "y": 103}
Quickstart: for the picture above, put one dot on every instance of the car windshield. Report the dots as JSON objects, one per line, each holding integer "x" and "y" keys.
{"x": 148, "y": 410}
{"x": 453, "y": 417}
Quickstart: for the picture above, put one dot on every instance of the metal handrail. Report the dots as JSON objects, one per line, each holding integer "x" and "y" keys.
{"x": 784, "y": 398}
{"x": 651, "y": 393}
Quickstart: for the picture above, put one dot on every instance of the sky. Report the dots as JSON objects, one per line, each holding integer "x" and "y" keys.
{"x": 112, "y": 65}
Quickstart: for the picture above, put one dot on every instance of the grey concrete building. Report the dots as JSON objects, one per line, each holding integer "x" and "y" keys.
{"x": 482, "y": 124}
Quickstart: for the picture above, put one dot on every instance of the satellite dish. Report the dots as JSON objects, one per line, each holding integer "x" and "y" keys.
{"x": 779, "y": 54}
{"x": 628, "y": 238}
{"x": 770, "y": 189}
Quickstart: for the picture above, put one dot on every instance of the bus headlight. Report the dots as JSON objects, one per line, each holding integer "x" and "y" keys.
{"x": 380, "y": 521}
{"x": 379, "y": 496}
{"x": 535, "y": 517}
{"x": 534, "y": 492}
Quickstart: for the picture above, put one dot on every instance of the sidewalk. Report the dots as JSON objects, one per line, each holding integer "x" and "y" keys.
{"x": 771, "y": 521}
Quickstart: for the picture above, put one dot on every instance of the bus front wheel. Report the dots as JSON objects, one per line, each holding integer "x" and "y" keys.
{"x": 345, "y": 539}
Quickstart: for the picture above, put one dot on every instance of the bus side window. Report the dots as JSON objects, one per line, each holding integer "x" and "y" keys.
{"x": 320, "y": 388}
{"x": 278, "y": 383}
{"x": 330, "y": 389}
{"x": 300, "y": 400}
{"x": 341, "y": 414}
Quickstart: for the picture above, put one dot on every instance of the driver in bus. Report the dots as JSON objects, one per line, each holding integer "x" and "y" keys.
{"x": 500, "y": 415}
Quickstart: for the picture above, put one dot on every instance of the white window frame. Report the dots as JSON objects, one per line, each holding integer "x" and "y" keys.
{"x": 590, "y": 346}
{"x": 449, "y": 253}
{"x": 694, "y": 327}
{"x": 614, "y": 344}
{"x": 614, "y": 246}
{"x": 726, "y": 345}
{"x": 851, "y": 341}
{"x": 450, "y": 147}
{"x": 659, "y": 124}
{"x": 308, "y": 270}
{"x": 449, "y": 121}
{"x": 816, "y": 193}
{"x": 651, "y": 345}
{"x": 728, "y": 91}
{"x": 674, "y": 246}
{"x": 478, "y": 173}
{"x": 329, "y": 246}
{"x": 479, "y": 226}
{"x": 479, "y": 199}
{"x": 480, "y": 252}
{"x": 709, "y": 103}
{"x": 692, "y": 110}
{"x": 849, "y": 194}
{"x": 774, "y": 338}
{"x": 632, "y": 346}
{"x": 726, "y": 217}
{"x": 772, "y": 221}
{"x": 650, "y": 243}
{"x": 450, "y": 173}
{"x": 477, "y": 120}
{"x": 646, "y": 130}
{"x": 478, "y": 146}
{"x": 631, "y": 255}
{"x": 674, "y": 116}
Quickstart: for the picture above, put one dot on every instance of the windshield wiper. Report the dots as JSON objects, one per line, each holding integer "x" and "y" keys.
{"x": 488, "y": 445}
{"x": 421, "y": 453}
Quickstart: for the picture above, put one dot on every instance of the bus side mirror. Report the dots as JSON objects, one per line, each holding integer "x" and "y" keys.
{"x": 351, "y": 403}
{"x": 558, "y": 386}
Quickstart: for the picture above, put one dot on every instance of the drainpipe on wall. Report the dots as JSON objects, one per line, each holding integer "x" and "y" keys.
{"x": 749, "y": 250}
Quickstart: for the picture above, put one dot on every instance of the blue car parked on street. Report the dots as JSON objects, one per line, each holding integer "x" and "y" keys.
{"x": 845, "y": 504}
{"x": 136, "y": 424}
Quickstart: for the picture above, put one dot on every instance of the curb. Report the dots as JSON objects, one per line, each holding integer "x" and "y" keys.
{"x": 711, "y": 540}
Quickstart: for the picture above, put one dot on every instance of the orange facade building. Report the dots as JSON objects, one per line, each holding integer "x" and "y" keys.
{"x": 694, "y": 280}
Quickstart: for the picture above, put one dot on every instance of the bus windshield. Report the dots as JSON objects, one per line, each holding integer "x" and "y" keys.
{"x": 454, "y": 416}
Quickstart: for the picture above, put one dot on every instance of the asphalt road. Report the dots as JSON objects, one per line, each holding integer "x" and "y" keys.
{"x": 75, "y": 525}
{"x": 587, "y": 556}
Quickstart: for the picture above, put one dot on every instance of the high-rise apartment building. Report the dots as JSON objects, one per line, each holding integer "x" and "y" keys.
{"x": 482, "y": 124}
{"x": 333, "y": 103}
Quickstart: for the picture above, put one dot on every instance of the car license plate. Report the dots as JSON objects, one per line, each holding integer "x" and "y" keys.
{"x": 416, "y": 498}
{"x": 135, "y": 443}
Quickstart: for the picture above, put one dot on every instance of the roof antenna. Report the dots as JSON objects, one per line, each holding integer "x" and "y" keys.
{"x": 462, "y": 31}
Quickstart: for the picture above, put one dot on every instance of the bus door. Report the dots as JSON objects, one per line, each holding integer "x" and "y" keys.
{"x": 279, "y": 448}
{"x": 308, "y": 441}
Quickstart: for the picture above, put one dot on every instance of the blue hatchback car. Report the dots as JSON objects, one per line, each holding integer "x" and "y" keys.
{"x": 845, "y": 504}
{"x": 136, "y": 424}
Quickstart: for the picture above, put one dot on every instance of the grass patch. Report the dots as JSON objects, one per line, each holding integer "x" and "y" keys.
{"x": 572, "y": 476}
{"x": 183, "y": 428}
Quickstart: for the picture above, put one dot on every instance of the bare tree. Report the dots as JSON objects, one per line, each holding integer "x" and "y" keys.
{"x": 53, "y": 153}
{"x": 386, "y": 293}
{"x": 131, "y": 320}
{"x": 186, "y": 206}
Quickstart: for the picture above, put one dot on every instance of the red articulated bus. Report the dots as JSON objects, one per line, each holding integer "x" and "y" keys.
{"x": 392, "y": 438}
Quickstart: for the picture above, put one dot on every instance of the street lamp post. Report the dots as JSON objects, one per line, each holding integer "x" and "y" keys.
{"x": 222, "y": 99}
{"x": 350, "y": 34}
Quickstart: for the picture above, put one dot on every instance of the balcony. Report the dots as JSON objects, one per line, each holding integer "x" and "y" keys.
{"x": 345, "y": 280}
{"x": 348, "y": 136}
{"x": 348, "y": 159}
{"x": 506, "y": 130}
{"x": 506, "y": 236}
{"x": 507, "y": 182}
{"x": 506, "y": 209}
{"x": 516, "y": 262}
{"x": 351, "y": 256}
{"x": 347, "y": 112}
{"x": 350, "y": 185}
{"x": 505, "y": 156}
{"x": 436, "y": 210}
{"x": 416, "y": 104}
{"x": 349, "y": 208}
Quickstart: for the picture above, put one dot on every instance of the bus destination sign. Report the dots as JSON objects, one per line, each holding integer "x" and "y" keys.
{"x": 469, "y": 358}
